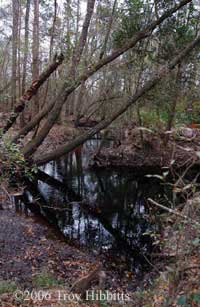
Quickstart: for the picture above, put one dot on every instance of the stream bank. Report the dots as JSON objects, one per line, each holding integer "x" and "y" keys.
{"x": 151, "y": 153}
{"x": 72, "y": 174}
{"x": 36, "y": 256}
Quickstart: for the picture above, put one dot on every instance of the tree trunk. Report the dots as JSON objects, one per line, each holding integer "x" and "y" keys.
{"x": 15, "y": 9}
{"x": 26, "y": 45}
{"x": 172, "y": 111}
{"x": 51, "y": 47}
{"x": 162, "y": 72}
{"x": 174, "y": 103}
{"x": 82, "y": 41}
{"x": 5, "y": 87}
{"x": 35, "y": 54}
{"x": 32, "y": 145}
{"x": 103, "y": 51}
{"x": 79, "y": 102}
{"x": 56, "y": 105}
{"x": 19, "y": 52}
{"x": 32, "y": 90}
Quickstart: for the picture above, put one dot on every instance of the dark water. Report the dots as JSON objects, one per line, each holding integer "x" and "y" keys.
{"x": 103, "y": 210}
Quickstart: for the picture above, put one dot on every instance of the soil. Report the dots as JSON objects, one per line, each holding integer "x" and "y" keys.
{"x": 152, "y": 155}
{"x": 29, "y": 246}
{"x": 127, "y": 149}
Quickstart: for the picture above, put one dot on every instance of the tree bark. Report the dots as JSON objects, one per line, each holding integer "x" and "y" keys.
{"x": 26, "y": 45}
{"x": 51, "y": 47}
{"x": 32, "y": 90}
{"x": 77, "y": 53}
{"x": 175, "y": 100}
{"x": 5, "y": 87}
{"x": 5, "y": 54}
{"x": 79, "y": 98}
{"x": 172, "y": 111}
{"x": 35, "y": 55}
{"x": 32, "y": 145}
{"x": 103, "y": 51}
{"x": 15, "y": 9}
{"x": 162, "y": 72}
{"x": 76, "y": 57}
{"x": 56, "y": 105}
{"x": 19, "y": 52}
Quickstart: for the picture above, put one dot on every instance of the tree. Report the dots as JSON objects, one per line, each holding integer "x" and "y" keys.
{"x": 26, "y": 48}
{"x": 32, "y": 91}
{"x": 51, "y": 45}
{"x": 35, "y": 54}
{"x": 15, "y": 25}
{"x": 102, "y": 63}
{"x": 56, "y": 105}
{"x": 162, "y": 72}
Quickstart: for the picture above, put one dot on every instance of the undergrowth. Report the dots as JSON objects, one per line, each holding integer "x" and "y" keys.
{"x": 13, "y": 165}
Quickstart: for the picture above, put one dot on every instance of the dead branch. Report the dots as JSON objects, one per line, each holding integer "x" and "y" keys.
{"x": 173, "y": 212}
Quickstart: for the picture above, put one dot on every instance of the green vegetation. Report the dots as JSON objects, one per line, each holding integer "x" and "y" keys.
{"x": 45, "y": 280}
{"x": 13, "y": 163}
{"x": 7, "y": 287}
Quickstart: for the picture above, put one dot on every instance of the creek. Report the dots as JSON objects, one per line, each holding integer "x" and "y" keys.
{"x": 102, "y": 210}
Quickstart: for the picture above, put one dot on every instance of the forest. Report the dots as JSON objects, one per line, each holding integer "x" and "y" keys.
{"x": 99, "y": 153}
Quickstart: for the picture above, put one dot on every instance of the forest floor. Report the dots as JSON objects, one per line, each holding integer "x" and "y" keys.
{"x": 33, "y": 256}
{"x": 36, "y": 257}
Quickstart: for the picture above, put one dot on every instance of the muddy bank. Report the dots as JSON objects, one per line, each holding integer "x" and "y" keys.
{"x": 30, "y": 246}
{"x": 127, "y": 150}
{"x": 151, "y": 156}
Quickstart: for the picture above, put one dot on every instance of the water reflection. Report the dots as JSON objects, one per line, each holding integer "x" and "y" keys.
{"x": 103, "y": 210}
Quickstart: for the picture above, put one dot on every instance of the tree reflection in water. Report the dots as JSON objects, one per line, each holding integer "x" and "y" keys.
{"x": 108, "y": 214}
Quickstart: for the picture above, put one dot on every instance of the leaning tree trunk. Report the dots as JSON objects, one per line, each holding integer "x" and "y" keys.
{"x": 76, "y": 57}
{"x": 103, "y": 50}
{"x": 56, "y": 105}
{"x": 162, "y": 72}
{"x": 56, "y": 110}
{"x": 31, "y": 91}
